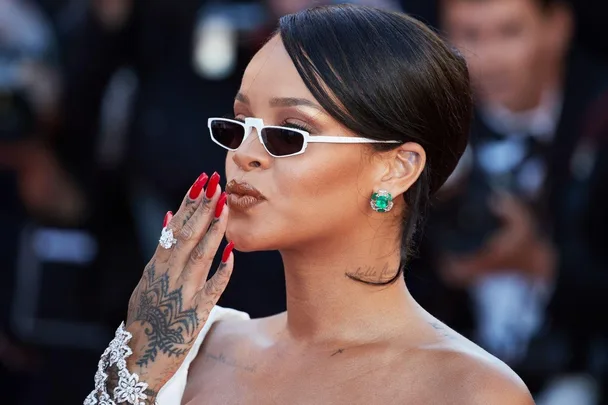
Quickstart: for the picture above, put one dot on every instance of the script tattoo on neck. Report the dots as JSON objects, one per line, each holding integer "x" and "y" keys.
{"x": 372, "y": 274}
{"x": 170, "y": 327}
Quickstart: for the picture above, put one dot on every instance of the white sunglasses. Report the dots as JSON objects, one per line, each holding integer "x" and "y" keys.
{"x": 278, "y": 141}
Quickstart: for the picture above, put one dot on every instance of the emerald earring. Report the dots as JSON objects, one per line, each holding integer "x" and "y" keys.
{"x": 381, "y": 201}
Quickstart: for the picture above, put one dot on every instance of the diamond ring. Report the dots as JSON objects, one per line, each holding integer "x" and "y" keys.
{"x": 166, "y": 238}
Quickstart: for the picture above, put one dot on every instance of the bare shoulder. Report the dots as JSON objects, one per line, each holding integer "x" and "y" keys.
{"x": 468, "y": 374}
{"x": 235, "y": 335}
{"x": 226, "y": 347}
{"x": 484, "y": 381}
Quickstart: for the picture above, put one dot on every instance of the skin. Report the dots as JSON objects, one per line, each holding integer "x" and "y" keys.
{"x": 340, "y": 341}
{"x": 515, "y": 50}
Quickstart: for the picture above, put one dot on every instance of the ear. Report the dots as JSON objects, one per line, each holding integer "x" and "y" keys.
{"x": 561, "y": 30}
{"x": 403, "y": 167}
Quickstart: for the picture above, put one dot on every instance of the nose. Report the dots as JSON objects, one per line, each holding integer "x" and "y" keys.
{"x": 251, "y": 154}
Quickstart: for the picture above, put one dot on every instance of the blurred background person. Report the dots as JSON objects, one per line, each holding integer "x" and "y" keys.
{"x": 514, "y": 227}
{"x": 35, "y": 185}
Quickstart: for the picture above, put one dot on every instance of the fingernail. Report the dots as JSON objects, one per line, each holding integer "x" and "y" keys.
{"x": 197, "y": 187}
{"x": 168, "y": 217}
{"x": 213, "y": 182}
{"x": 227, "y": 251}
{"x": 220, "y": 205}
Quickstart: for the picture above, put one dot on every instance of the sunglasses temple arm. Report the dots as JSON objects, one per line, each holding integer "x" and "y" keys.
{"x": 344, "y": 139}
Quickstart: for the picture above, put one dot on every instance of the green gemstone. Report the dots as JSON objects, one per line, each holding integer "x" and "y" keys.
{"x": 381, "y": 202}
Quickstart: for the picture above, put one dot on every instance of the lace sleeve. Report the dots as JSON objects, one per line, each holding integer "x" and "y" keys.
{"x": 114, "y": 384}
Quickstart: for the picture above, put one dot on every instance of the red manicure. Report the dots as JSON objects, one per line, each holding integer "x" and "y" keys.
{"x": 213, "y": 182}
{"x": 168, "y": 217}
{"x": 220, "y": 205}
{"x": 197, "y": 187}
{"x": 227, "y": 251}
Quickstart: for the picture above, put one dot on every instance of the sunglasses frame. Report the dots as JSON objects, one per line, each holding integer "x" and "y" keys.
{"x": 258, "y": 124}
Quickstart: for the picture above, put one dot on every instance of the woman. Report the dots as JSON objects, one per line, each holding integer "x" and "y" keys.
{"x": 370, "y": 112}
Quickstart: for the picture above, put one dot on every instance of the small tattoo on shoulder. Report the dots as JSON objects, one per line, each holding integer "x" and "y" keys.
{"x": 441, "y": 329}
{"x": 230, "y": 362}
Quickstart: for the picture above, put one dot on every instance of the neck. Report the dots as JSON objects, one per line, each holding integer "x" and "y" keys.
{"x": 325, "y": 305}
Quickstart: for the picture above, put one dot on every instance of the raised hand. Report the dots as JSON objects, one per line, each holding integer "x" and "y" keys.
{"x": 174, "y": 298}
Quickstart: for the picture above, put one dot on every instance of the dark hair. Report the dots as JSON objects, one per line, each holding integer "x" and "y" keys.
{"x": 389, "y": 78}
{"x": 543, "y": 4}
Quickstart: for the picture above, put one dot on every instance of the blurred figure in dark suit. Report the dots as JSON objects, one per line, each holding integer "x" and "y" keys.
{"x": 512, "y": 231}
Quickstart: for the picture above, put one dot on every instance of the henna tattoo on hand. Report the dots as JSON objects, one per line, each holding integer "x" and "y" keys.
{"x": 170, "y": 327}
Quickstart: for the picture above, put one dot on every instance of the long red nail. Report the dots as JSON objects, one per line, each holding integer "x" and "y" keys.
{"x": 220, "y": 205}
{"x": 197, "y": 187}
{"x": 227, "y": 251}
{"x": 168, "y": 217}
{"x": 213, "y": 182}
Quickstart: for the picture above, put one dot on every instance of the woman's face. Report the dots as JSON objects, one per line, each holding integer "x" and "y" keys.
{"x": 309, "y": 198}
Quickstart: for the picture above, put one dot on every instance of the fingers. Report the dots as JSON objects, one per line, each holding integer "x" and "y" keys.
{"x": 193, "y": 230}
{"x": 212, "y": 290}
{"x": 192, "y": 200}
{"x": 200, "y": 257}
{"x": 189, "y": 205}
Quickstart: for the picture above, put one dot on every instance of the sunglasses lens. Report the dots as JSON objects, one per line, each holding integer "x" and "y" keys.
{"x": 282, "y": 142}
{"x": 229, "y": 134}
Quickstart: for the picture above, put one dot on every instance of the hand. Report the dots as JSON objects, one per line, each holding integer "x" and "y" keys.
{"x": 515, "y": 247}
{"x": 174, "y": 298}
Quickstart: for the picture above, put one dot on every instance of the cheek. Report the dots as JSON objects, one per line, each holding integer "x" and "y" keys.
{"x": 308, "y": 197}
{"x": 318, "y": 190}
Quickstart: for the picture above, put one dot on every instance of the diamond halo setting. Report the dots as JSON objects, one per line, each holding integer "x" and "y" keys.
{"x": 381, "y": 201}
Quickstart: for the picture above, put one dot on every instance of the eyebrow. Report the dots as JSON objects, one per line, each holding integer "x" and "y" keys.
{"x": 242, "y": 98}
{"x": 282, "y": 101}
{"x": 293, "y": 102}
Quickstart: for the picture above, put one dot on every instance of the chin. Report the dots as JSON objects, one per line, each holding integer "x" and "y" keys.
{"x": 247, "y": 237}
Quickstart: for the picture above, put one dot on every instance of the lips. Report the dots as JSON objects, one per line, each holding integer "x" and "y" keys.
{"x": 242, "y": 196}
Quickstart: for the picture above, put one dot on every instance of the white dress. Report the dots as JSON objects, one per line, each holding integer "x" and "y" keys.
{"x": 171, "y": 393}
